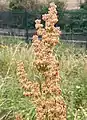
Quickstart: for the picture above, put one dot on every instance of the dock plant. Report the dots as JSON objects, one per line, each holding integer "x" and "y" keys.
{"x": 46, "y": 94}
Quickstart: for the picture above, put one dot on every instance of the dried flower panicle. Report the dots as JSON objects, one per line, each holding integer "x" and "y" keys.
{"x": 50, "y": 106}
{"x": 47, "y": 96}
{"x": 51, "y": 109}
{"x": 31, "y": 88}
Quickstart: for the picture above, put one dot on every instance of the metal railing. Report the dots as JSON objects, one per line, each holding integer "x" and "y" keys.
{"x": 73, "y": 24}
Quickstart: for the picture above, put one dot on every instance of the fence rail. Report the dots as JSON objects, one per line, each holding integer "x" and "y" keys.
{"x": 19, "y": 23}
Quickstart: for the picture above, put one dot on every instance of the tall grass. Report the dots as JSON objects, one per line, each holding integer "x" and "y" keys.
{"x": 73, "y": 70}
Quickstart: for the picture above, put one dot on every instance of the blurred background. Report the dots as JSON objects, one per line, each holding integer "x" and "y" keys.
{"x": 17, "y": 18}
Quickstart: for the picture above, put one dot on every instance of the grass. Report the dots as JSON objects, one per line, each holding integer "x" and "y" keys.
{"x": 73, "y": 70}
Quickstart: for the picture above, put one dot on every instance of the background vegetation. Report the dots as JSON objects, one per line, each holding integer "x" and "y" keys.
{"x": 33, "y": 4}
{"x": 84, "y": 5}
{"x": 73, "y": 71}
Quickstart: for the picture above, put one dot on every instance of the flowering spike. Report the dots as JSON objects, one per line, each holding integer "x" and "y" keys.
{"x": 50, "y": 105}
{"x": 47, "y": 95}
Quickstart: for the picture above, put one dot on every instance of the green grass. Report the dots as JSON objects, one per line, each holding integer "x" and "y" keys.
{"x": 73, "y": 71}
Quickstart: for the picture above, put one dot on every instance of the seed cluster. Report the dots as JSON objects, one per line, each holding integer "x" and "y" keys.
{"x": 31, "y": 88}
{"x": 47, "y": 96}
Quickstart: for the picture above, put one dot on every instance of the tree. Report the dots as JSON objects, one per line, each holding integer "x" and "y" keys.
{"x": 84, "y": 5}
{"x": 33, "y": 4}
{"x": 25, "y": 4}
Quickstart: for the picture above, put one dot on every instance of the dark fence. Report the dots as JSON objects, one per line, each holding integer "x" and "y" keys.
{"x": 74, "y": 25}
{"x": 19, "y": 23}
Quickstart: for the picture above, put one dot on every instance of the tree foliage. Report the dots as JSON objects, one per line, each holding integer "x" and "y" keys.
{"x": 33, "y": 4}
{"x": 84, "y": 5}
